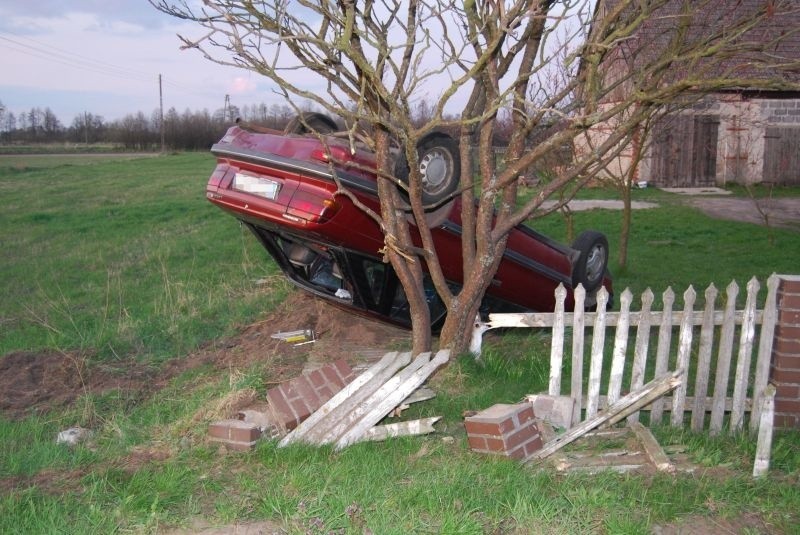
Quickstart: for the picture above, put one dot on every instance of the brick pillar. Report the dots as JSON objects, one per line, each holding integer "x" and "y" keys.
{"x": 785, "y": 366}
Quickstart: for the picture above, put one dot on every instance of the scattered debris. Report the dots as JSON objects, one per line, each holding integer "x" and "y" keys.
{"x": 298, "y": 338}
{"x": 616, "y": 412}
{"x": 73, "y": 436}
{"x": 423, "y": 426}
{"x": 557, "y": 410}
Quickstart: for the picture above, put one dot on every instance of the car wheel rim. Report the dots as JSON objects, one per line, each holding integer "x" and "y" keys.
{"x": 434, "y": 168}
{"x": 595, "y": 262}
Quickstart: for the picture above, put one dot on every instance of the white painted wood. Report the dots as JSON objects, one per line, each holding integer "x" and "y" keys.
{"x": 576, "y": 381}
{"x": 557, "y": 343}
{"x": 652, "y": 448}
{"x": 596, "y": 363}
{"x": 362, "y": 402}
{"x": 381, "y": 405}
{"x": 641, "y": 348}
{"x": 400, "y": 429}
{"x": 386, "y": 362}
{"x": 662, "y": 351}
{"x": 704, "y": 360}
{"x": 741, "y": 379}
{"x": 621, "y": 409}
{"x": 764, "y": 358}
{"x": 620, "y": 347}
{"x": 545, "y": 320}
{"x": 764, "y": 446}
{"x": 724, "y": 360}
{"x": 684, "y": 355}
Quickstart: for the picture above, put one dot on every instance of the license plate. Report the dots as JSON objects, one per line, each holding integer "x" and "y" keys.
{"x": 256, "y": 185}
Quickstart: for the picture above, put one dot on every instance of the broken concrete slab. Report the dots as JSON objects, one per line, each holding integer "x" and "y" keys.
{"x": 557, "y": 410}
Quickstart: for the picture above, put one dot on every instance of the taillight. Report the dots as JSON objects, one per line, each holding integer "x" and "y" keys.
{"x": 216, "y": 177}
{"x": 310, "y": 207}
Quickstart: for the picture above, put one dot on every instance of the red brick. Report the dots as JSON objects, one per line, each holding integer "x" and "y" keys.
{"x": 316, "y": 378}
{"x": 325, "y": 392}
{"x": 788, "y": 317}
{"x": 787, "y": 362}
{"x": 787, "y": 346}
{"x": 787, "y": 406}
{"x": 343, "y": 370}
{"x": 477, "y": 443}
{"x": 521, "y": 436}
{"x": 494, "y": 444}
{"x": 787, "y": 421}
{"x": 280, "y": 407}
{"x": 525, "y": 415}
{"x": 779, "y": 375}
{"x": 484, "y": 428}
{"x": 533, "y": 446}
{"x": 307, "y": 393}
{"x": 235, "y": 434}
{"x": 333, "y": 378}
{"x": 790, "y": 285}
{"x": 787, "y": 331}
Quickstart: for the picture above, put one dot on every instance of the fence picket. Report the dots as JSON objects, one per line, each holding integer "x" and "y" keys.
{"x": 596, "y": 363}
{"x": 769, "y": 318}
{"x": 642, "y": 345}
{"x": 662, "y": 352}
{"x": 684, "y": 354}
{"x": 557, "y": 344}
{"x": 745, "y": 353}
{"x": 576, "y": 383}
{"x": 704, "y": 360}
{"x": 724, "y": 360}
{"x": 620, "y": 347}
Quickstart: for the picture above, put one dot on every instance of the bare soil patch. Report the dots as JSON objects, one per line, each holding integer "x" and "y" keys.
{"x": 37, "y": 382}
{"x": 782, "y": 213}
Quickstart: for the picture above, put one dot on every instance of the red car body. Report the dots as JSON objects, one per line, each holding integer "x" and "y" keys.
{"x": 280, "y": 186}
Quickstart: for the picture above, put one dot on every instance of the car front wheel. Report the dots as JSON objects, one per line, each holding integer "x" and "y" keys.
{"x": 439, "y": 168}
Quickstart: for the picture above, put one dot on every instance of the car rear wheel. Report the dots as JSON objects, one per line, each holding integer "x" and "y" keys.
{"x": 311, "y": 123}
{"x": 592, "y": 260}
{"x": 439, "y": 168}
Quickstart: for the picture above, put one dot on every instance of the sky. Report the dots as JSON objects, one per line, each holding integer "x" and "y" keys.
{"x": 105, "y": 56}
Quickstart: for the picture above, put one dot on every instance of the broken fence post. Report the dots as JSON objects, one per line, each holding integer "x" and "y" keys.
{"x": 764, "y": 447}
{"x": 400, "y": 429}
{"x": 621, "y": 409}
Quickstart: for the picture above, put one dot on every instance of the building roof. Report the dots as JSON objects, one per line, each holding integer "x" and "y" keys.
{"x": 764, "y": 56}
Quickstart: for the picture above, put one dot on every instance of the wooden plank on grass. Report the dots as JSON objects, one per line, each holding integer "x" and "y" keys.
{"x": 622, "y": 408}
{"x": 380, "y": 406}
{"x": 652, "y": 448}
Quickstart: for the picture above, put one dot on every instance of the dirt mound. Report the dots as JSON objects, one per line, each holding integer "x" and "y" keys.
{"x": 35, "y": 382}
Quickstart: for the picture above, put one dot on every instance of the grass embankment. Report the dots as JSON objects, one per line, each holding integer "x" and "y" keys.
{"x": 126, "y": 260}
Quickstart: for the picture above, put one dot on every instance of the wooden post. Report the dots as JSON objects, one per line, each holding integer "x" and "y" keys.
{"x": 745, "y": 354}
{"x": 576, "y": 382}
{"x": 642, "y": 346}
{"x": 765, "y": 343}
{"x": 684, "y": 353}
{"x": 596, "y": 363}
{"x": 620, "y": 347}
{"x": 724, "y": 360}
{"x": 704, "y": 360}
{"x": 662, "y": 352}
{"x": 557, "y": 343}
{"x": 764, "y": 447}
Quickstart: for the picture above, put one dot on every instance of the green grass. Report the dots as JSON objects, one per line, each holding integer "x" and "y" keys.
{"x": 125, "y": 259}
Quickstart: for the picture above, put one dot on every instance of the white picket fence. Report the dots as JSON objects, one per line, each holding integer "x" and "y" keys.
{"x": 697, "y": 361}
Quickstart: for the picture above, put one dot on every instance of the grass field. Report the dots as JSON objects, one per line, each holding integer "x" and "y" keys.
{"x": 124, "y": 261}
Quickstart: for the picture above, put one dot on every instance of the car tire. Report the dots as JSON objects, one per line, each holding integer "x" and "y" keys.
{"x": 439, "y": 165}
{"x": 311, "y": 123}
{"x": 590, "y": 267}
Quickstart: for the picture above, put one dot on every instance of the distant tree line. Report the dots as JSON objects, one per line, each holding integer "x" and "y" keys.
{"x": 190, "y": 130}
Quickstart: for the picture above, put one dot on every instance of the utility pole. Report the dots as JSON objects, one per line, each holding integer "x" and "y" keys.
{"x": 161, "y": 112}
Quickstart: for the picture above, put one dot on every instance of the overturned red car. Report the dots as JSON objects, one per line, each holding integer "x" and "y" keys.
{"x": 280, "y": 186}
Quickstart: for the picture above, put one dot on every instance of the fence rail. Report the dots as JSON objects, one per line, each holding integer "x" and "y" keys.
{"x": 726, "y": 391}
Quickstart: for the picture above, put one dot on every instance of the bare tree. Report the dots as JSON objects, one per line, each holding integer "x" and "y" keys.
{"x": 372, "y": 63}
